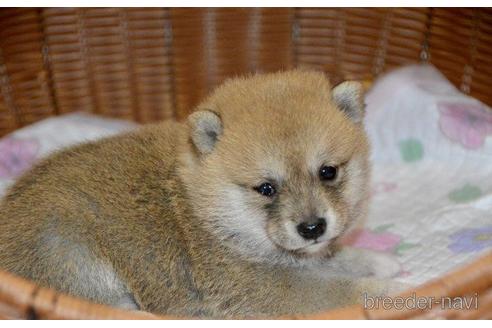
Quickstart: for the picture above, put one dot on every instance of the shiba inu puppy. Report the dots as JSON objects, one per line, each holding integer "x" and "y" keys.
{"x": 234, "y": 213}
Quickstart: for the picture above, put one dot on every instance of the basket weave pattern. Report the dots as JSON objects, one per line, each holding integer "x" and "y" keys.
{"x": 153, "y": 64}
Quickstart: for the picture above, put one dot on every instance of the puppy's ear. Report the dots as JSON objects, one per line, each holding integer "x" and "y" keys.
{"x": 349, "y": 98}
{"x": 205, "y": 128}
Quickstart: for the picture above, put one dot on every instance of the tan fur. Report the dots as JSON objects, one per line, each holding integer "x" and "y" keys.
{"x": 158, "y": 220}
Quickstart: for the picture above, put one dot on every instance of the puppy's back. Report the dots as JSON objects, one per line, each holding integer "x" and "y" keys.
{"x": 57, "y": 218}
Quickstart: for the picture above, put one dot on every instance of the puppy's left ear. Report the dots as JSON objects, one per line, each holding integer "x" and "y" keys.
{"x": 205, "y": 129}
{"x": 349, "y": 98}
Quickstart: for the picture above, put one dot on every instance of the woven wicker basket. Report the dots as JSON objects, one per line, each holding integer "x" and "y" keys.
{"x": 153, "y": 64}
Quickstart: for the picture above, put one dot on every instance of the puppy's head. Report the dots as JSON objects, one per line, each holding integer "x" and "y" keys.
{"x": 278, "y": 163}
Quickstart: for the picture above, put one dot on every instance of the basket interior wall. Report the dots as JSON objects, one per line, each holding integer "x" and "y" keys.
{"x": 156, "y": 63}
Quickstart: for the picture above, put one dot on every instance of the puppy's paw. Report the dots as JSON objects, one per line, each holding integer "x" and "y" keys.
{"x": 382, "y": 265}
{"x": 358, "y": 262}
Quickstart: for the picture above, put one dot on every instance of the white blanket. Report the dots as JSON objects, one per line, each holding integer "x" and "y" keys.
{"x": 432, "y": 174}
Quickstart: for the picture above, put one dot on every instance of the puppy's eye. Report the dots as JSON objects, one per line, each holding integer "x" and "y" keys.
{"x": 328, "y": 173}
{"x": 266, "y": 189}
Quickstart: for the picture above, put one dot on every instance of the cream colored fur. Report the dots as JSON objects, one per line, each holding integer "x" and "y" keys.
{"x": 167, "y": 219}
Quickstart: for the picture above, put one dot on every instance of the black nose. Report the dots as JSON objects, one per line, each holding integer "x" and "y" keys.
{"x": 312, "y": 230}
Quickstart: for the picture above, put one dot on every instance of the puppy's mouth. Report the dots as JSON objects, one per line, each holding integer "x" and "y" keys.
{"x": 314, "y": 248}
{"x": 315, "y": 245}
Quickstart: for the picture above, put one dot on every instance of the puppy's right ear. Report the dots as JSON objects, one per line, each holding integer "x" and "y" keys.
{"x": 205, "y": 128}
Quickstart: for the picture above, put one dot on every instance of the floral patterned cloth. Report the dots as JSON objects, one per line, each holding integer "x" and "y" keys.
{"x": 431, "y": 193}
{"x": 471, "y": 240}
{"x": 19, "y": 150}
{"x": 467, "y": 124}
{"x": 432, "y": 174}
{"x": 16, "y": 155}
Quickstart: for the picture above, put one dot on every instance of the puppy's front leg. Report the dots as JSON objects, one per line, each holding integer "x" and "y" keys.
{"x": 367, "y": 273}
{"x": 363, "y": 263}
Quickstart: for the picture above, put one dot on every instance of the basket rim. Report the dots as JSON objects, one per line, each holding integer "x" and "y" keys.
{"x": 25, "y": 299}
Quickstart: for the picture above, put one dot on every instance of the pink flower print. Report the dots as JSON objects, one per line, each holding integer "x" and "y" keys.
{"x": 16, "y": 156}
{"x": 382, "y": 241}
{"x": 467, "y": 124}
